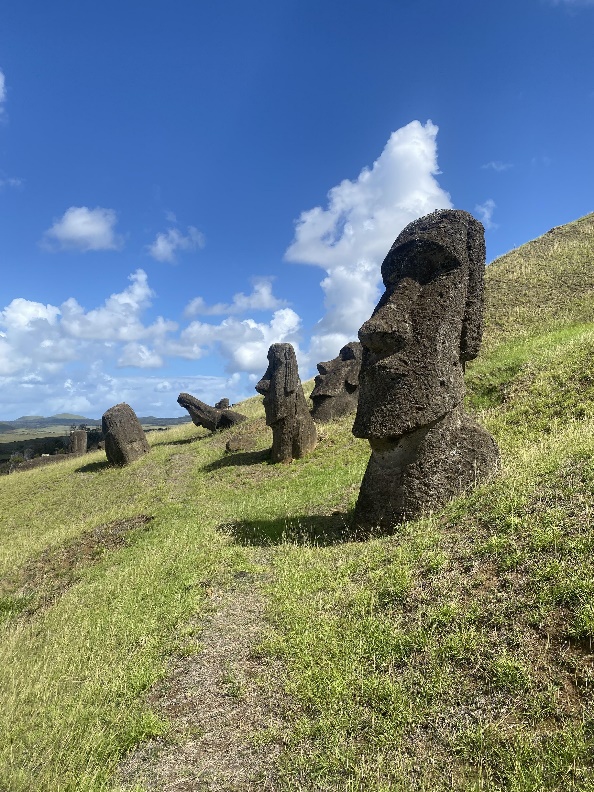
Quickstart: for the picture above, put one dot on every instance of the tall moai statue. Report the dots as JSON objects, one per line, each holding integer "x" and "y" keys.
{"x": 125, "y": 440}
{"x": 425, "y": 448}
{"x": 293, "y": 430}
{"x": 336, "y": 391}
{"x": 77, "y": 442}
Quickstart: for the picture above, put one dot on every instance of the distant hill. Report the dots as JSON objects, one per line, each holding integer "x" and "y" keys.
{"x": 62, "y": 422}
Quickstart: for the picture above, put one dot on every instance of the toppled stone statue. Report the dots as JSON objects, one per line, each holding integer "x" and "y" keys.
{"x": 222, "y": 405}
{"x": 209, "y": 417}
{"x": 293, "y": 430}
{"x": 336, "y": 391}
{"x": 77, "y": 443}
{"x": 124, "y": 437}
{"x": 424, "y": 448}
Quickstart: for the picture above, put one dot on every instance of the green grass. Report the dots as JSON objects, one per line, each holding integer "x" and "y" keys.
{"x": 456, "y": 654}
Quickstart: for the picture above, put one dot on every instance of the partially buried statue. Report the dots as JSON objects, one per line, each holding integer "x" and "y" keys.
{"x": 125, "y": 440}
{"x": 210, "y": 418}
{"x": 293, "y": 430}
{"x": 337, "y": 385}
{"x": 424, "y": 448}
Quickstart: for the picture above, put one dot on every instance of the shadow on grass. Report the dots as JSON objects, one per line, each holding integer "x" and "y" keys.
{"x": 318, "y": 530}
{"x": 243, "y": 458}
{"x": 92, "y": 467}
{"x": 183, "y": 441}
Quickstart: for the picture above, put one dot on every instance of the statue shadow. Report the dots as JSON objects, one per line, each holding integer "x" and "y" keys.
{"x": 242, "y": 458}
{"x": 319, "y": 530}
{"x": 183, "y": 441}
{"x": 92, "y": 467}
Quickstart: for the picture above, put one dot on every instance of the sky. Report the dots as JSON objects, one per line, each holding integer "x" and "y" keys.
{"x": 184, "y": 183}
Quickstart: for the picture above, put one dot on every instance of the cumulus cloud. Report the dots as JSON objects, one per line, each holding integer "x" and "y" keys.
{"x": 166, "y": 244}
{"x": 242, "y": 344}
{"x": 485, "y": 213}
{"x": 261, "y": 299}
{"x": 351, "y": 236}
{"x": 139, "y": 356}
{"x": 497, "y": 166}
{"x": 84, "y": 229}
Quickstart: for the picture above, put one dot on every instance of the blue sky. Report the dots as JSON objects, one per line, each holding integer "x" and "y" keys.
{"x": 184, "y": 183}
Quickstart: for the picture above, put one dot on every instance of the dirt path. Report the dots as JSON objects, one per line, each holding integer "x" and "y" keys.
{"x": 218, "y": 700}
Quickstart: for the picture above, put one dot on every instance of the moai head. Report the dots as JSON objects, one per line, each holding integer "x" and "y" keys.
{"x": 426, "y": 325}
{"x": 279, "y": 384}
{"x": 337, "y": 384}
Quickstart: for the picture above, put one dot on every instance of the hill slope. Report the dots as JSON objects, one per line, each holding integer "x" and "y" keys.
{"x": 454, "y": 655}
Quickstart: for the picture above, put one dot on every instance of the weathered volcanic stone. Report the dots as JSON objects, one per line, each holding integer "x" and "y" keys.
{"x": 293, "y": 430}
{"x": 222, "y": 405}
{"x": 336, "y": 390}
{"x": 78, "y": 442}
{"x": 209, "y": 417}
{"x": 125, "y": 440}
{"x": 428, "y": 323}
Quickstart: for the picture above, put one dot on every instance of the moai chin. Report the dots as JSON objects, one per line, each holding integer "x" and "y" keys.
{"x": 425, "y": 448}
{"x": 293, "y": 430}
{"x": 125, "y": 440}
{"x": 336, "y": 391}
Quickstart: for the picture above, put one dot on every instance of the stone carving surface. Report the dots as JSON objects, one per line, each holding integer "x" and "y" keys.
{"x": 222, "y": 405}
{"x": 77, "y": 442}
{"x": 424, "y": 448}
{"x": 293, "y": 430}
{"x": 125, "y": 440}
{"x": 336, "y": 391}
{"x": 209, "y": 417}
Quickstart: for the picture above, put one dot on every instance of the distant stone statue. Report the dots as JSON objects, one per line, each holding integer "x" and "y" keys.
{"x": 209, "y": 417}
{"x": 293, "y": 430}
{"x": 77, "y": 442}
{"x": 222, "y": 405}
{"x": 336, "y": 390}
{"x": 124, "y": 440}
{"x": 424, "y": 447}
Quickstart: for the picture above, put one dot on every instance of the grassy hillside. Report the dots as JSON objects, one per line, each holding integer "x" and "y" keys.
{"x": 455, "y": 654}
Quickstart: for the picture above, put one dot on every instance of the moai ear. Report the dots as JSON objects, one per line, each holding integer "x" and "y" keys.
{"x": 290, "y": 371}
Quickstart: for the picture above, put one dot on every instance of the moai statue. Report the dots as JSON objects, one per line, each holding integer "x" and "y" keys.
{"x": 125, "y": 440}
{"x": 222, "y": 405}
{"x": 336, "y": 391}
{"x": 210, "y": 418}
{"x": 77, "y": 442}
{"x": 424, "y": 448}
{"x": 293, "y": 430}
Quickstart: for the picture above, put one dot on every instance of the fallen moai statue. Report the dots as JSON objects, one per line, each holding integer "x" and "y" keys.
{"x": 336, "y": 391}
{"x": 124, "y": 437}
{"x": 222, "y": 405}
{"x": 425, "y": 448}
{"x": 293, "y": 430}
{"x": 210, "y": 418}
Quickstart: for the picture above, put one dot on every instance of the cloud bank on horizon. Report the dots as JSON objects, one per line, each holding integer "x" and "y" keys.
{"x": 69, "y": 359}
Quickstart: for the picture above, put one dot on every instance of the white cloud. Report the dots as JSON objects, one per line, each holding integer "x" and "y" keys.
{"x": 497, "y": 166}
{"x": 166, "y": 244}
{"x": 2, "y": 90}
{"x": 84, "y": 229}
{"x": 243, "y": 344}
{"x": 10, "y": 181}
{"x": 485, "y": 213}
{"x": 261, "y": 299}
{"x": 351, "y": 237}
{"x": 139, "y": 356}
